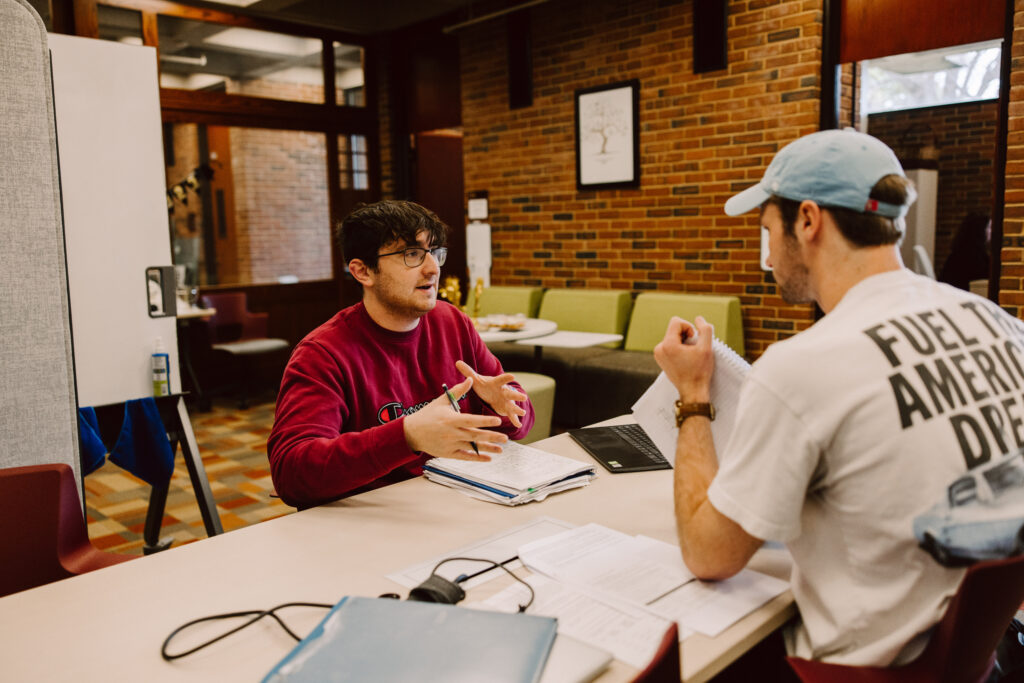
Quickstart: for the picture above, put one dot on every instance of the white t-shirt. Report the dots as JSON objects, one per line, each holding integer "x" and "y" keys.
{"x": 848, "y": 431}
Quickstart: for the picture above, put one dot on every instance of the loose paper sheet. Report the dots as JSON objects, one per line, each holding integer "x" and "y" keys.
{"x": 499, "y": 547}
{"x": 630, "y": 633}
{"x": 655, "y": 409}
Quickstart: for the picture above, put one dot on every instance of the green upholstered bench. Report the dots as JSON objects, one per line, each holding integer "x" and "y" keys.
{"x": 653, "y": 310}
{"x": 506, "y": 300}
{"x": 608, "y": 385}
{"x": 580, "y": 310}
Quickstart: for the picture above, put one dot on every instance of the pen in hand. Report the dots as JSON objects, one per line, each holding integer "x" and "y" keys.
{"x": 455, "y": 407}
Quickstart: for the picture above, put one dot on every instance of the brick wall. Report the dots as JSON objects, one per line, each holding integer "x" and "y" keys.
{"x": 281, "y": 213}
{"x": 1011, "y": 282}
{"x": 965, "y": 137}
{"x": 702, "y": 137}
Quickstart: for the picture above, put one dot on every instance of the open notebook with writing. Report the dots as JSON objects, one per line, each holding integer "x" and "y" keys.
{"x": 655, "y": 409}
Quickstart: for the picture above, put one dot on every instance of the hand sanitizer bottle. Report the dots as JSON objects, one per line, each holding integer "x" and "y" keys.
{"x": 161, "y": 369}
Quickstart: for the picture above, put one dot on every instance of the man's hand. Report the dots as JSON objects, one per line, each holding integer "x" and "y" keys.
{"x": 686, "y": 357}
{"x": 439, "y": 431}
{"x": 495, "y": 392}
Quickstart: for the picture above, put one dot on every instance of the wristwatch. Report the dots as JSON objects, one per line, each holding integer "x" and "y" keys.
{"x": 685, "y": 410}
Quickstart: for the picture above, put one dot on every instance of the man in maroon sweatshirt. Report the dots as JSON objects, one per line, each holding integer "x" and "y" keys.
{"x": 361, "y": 403}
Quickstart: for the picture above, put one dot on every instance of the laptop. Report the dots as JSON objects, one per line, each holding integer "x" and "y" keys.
{"x": 621, "y": 448}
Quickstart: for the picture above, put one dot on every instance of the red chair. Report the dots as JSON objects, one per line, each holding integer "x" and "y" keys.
{"x": 665, "y": 667}
{"x": 242, "y": 335}
{"x": 962, "y": 647}
{"x": 43, "y": 537}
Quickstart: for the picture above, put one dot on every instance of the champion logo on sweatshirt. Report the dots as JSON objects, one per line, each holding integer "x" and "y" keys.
{"x": 394, "y": 410}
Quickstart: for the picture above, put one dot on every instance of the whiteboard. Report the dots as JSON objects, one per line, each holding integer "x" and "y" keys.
{"x": 110, "y": 150}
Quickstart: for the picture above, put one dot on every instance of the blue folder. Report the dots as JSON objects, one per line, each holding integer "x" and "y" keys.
{"x": 382, "y": 640}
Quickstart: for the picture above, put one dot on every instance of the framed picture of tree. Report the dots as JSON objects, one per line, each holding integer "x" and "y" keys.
{"x": 608, "y": 136}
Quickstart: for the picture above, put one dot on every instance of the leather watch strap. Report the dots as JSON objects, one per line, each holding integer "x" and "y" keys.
{"x": 685, "y": 410}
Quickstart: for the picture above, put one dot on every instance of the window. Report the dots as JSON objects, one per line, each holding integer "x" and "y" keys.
{"x": 353, "y": 163}
{"x": 197, "y": 55}
{"x": 348, "y": 75}
{"x": 248, "y": 205}
{"x": 925, "y": 79}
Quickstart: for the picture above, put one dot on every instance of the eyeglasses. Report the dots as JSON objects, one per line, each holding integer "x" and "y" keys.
{"x": 414, "y": 256}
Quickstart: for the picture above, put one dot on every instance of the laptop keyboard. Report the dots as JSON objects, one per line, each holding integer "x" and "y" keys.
{"x": 635, "y": 435}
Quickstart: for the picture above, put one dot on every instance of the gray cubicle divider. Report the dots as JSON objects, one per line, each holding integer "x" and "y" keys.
{"x": 110, "y": 151}
{"x": 37, "y": 401}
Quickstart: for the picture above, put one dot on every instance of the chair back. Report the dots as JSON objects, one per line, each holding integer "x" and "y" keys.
{"x": 38, "y": 405}
{"x": 588, "y": 310}
{"x": 506, "y": 301}
{"x": 963, "y": 645}
{"x": 229, "y": 322}
{"x": 43, "y": 537}
{"x": 665, "y": 667}
{"x": 653, "y": 310}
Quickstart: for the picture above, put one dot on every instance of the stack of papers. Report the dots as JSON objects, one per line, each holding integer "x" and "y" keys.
{"x": 619, "y": 592}
{"x": 520, "y": 474}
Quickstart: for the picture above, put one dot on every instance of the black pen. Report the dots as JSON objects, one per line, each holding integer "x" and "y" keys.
{"x": 455, "y": 407}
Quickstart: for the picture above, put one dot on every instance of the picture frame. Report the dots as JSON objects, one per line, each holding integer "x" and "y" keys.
{"x": 608, "y": 136}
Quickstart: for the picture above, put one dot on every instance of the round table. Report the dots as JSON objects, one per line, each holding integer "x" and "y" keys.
{"x": 533, "y": 327}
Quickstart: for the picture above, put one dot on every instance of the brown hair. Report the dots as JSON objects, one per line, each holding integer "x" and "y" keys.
{"x": 859, "y": 229}
{"x": 364, "y": 231}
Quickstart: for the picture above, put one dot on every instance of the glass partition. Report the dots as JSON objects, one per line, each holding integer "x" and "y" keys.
{"x": 248, "y": 205}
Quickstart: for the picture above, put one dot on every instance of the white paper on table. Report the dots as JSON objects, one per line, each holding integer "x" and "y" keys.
{"x": 710, "y": 607}
{"x": 499, "y": 547}
{"x": 608, "y": 561}
{"x": 655, "y": 409}
{"x": 630, "y": 633}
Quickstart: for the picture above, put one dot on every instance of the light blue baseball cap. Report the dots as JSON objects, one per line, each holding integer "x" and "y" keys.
{"x": 832, "y": 168}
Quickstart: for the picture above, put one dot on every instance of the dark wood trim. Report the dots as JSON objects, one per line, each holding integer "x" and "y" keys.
{"x": 999, "y": 163}
{"x": 87, "y": 21}
{"x": 267, "y": 112}
{"x": 150, "y": 34}
{"x": 62, "y": 19}
{"x": 215, "y": 12}
{"x": 831, "y": 77}
{"x": 873, "y": 29}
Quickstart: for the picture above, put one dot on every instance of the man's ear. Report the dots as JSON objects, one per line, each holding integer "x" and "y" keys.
{"x": 809, "y": 220}
{"x": 361, "y": 272}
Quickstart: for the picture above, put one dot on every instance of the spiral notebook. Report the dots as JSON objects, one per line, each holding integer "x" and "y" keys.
{"x": 655, "y": 409}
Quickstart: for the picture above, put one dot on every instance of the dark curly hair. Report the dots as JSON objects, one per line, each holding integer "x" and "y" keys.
{"x": 364, "y": 231}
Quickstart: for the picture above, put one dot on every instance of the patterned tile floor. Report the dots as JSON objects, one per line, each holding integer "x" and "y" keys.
{"x": 233, "y": 445}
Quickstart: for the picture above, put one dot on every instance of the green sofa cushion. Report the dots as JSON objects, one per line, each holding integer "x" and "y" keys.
{"x": 506, "y": 300}
{"x": 653, "y": 310}
{"x": 583, "y": 310}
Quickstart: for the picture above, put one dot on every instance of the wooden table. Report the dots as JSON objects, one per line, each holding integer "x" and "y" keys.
{"x": 109, "y": 624}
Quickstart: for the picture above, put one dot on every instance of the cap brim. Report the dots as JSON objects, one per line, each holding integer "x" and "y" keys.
{"x": 745, "y": 201}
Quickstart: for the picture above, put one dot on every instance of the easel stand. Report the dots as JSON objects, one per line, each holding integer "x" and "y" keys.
{"x": 179, "y": 432}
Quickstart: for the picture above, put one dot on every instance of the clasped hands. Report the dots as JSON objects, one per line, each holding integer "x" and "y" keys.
{"x": 438, "y": 430}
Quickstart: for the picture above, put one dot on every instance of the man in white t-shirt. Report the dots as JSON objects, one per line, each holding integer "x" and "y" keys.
{"x": 855, "y": 437}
